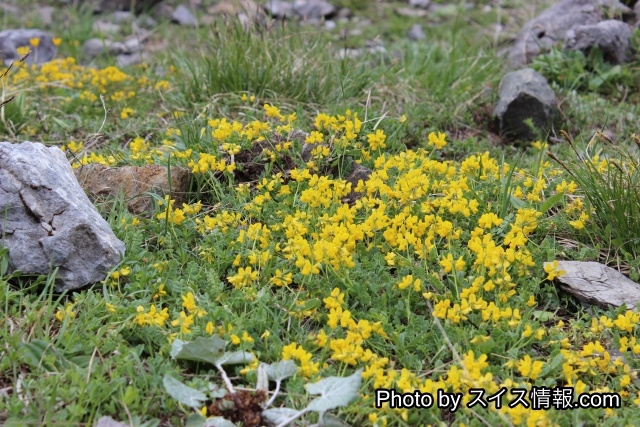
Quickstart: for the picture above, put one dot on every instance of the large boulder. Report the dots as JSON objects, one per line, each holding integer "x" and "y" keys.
{"x": 11, "y": 40}
{"x": 610, "y": 36}
{"x": 525, "y": 96}
{"x": 551, "y": 26}
{"x": 48, "y": 221}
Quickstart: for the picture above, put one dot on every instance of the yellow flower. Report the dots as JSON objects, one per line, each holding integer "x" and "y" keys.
{"x": 56, "y": 41}
{"x": 266, "y": 334}
{"x": 552, "y": 269}
{"x": 35, "y": 42}
{"x": 377, "y": 140}
{"x": 110, "y": 308}
{"x": 209, "y": 328}
{"x": 22, "y": 50}
{"x": 126, "y": 112}
{"x": 437, "y": 141}
{"x": 66, "y": 313}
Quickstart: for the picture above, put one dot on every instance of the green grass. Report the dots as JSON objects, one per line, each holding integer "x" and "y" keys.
{"x": 71, "y": 358}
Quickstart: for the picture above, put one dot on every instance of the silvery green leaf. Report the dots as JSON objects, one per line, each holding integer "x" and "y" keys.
{"x": 280, "y": 370}
{"x": 334, "y": 392}
{"x": 182, "y": 393}
{"x": 234, "y": 358}
{"x": 195, "y": 420}
{"x": 201, "y": 350}
{"x": 216, "y": 392}
{"x": 263, "y": 378}
{"x": 330, "y": 420}
{"x": 218, "y": 422}
{"x": 279, "y": 415}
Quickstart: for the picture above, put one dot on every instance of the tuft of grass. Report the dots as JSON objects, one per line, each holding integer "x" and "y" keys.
{"x": 610, "y": 185}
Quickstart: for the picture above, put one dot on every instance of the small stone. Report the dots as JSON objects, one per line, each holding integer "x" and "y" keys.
{"x": 279, "y": 9}
{"x": 105, "y": 27}
{"x": 313, "y": 9}
{"x": 126, "y": 60}
{"x": 420, "y": 4}
{"x": 416, "y": 32}
{"x": 330, "y": 25}
{"x": 183, "y": 16}
{"x": 121, "y": 16}
{"x": 524, "y": 95}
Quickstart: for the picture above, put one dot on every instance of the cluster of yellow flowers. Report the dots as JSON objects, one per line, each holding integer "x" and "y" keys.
{"x": 435, "y": 226}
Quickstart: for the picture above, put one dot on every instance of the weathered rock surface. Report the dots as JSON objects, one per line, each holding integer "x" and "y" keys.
{"x": 279, "y": 9}
{"x": 524, "y": 94}
{"x": 416, "y": 33}
{"x": 133, "y": 182}
{"x": 313, "y": 9}
{"x": 610, "y": 36}
{"x": 11, "y": 40}
{"x": 183, "y": 16}
{"x": 48, "y": 221}
{"x": 597, "y": 284}
{"x": 551, "y": 26}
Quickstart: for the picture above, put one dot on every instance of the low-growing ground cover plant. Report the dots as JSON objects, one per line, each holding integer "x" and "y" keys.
{"x": 282, "y": 293}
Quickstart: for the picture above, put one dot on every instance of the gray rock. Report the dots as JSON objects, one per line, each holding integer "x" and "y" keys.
{"x": 10, "y": 40}
{"x": 46, "y": 15}
{"x": 524, "y": 95}
{"x": 610, "y": 36}
{"x": 121, "y": 16}
{"x": 132, "y": 45}
{"x": 416, "y": 32}
{"x": 551, "y": 26}
{"x": 313, "y": 9}
{"x": 94, "y": 47}
{"x": 279, "y": 9}
{"x": 330, "y": 25}
{"x": 49, "y": 221}
{"x": 597, "y": 284}
{"x": 183, "y": 16}
{"x": 105, "y": 27}
{"x": 344, "y": 13}
{"x": 420, "y": 4}
{"x": 126, "y": 60}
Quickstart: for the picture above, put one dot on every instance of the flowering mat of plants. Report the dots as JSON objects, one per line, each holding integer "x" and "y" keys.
{"x": 282, "y": 294}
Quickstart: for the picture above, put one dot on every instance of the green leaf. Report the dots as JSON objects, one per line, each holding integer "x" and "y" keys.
{"x": 517, "y": 203}
{"x": 201, "y": 350}
{"x": 218, "y": 422}
{"x": 550, "y": 202}
{"x": 41, "y": 354}
{"x": 195, "y": 420}
{"x": 330, "y": 420}
{"x": 234, "y": 358}
{"x": 182, "y": 393}
{"x": 543, "y": 316}
{"x": 281, "y": 370}
{"x": 334, "y": 392}
{"x": 279, "y": 415}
